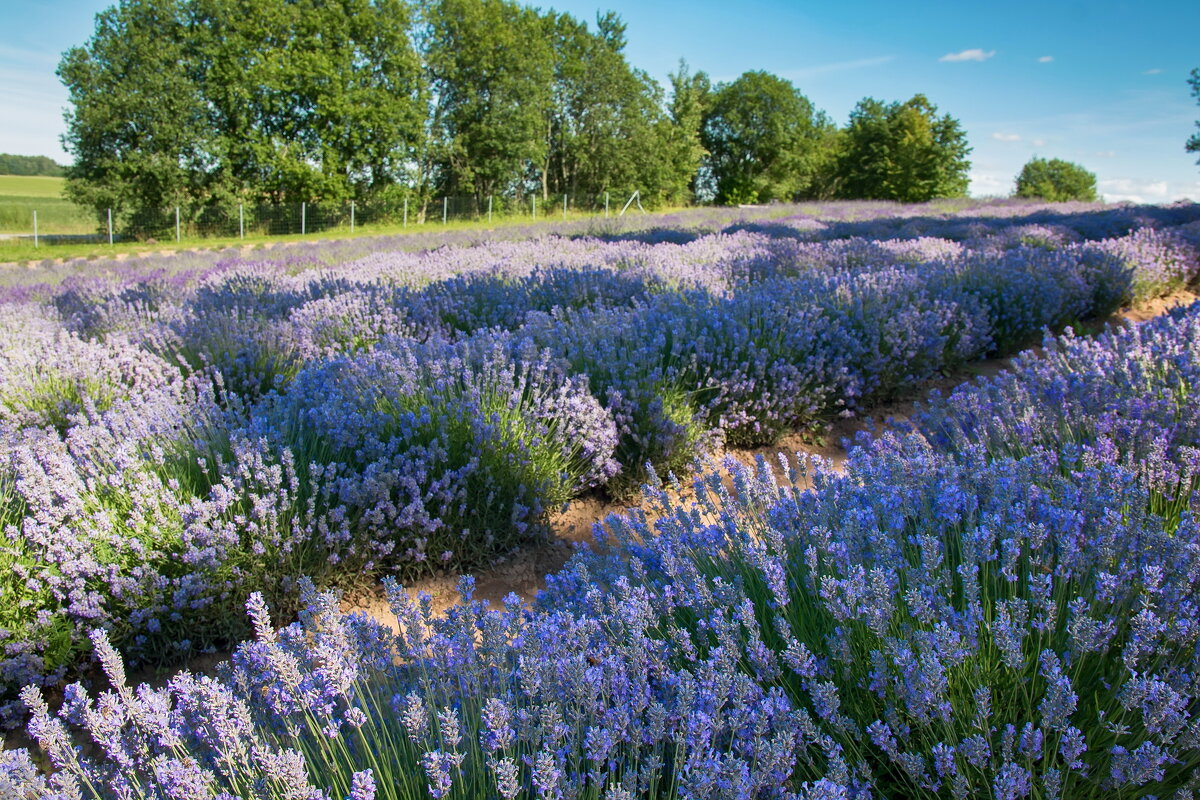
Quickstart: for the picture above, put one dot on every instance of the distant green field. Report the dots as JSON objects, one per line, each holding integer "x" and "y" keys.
{"x": 21, "y": 195}
{"x": 29, "y": 186}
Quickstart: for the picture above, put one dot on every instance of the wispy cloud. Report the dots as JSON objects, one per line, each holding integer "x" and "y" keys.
{"x": 1045, "y": 59}
{"x": 1134, "y": 191}
{"x": 975, "y": 54}
{"x": 1006, "y": 137}
{"x": 837, "y": 66}
{"x": 1154, "y": 71}
{"x": 1105, "y": 154}
{"x": 1038, "y": 142}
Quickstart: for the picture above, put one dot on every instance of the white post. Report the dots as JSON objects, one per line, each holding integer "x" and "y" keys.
{"x": 632, "y": 198}
{"x": 535, "y": 206}
{"x": 445, "y": 207}
{"x": 564, "y": 206}
{"x": 406, "y": 212}
{"x": 110, "y": 238}
{"x": 241, "y": 223}
{"x": 176, "y": 224}
{"x": 352, "y": 216}
{"x": 606, "y": 204}
{"x": 35, "y": 238}
{"x": 489, "y": 209}
{"x": 303, "y": 218}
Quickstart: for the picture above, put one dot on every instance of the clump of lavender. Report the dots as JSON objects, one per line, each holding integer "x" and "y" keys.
{"x": 1159, "y": 261}
{"x": 437, "y": 454}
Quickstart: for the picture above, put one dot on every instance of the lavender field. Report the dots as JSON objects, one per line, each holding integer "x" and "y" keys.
{"x": 1000, "y": 600}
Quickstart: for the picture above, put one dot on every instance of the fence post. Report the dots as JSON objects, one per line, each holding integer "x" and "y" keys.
{"x": 303, "y": 218}
{"x": 352, "y": 216}
{"x": 406, "y": 212}
{"x": 241, "y": 223}
{"x": 110, "y": 238}
{"x": 489, "y": 209}
{"x": 177, "y": 224}
{"x": 564, "y": 206}
{"x": 606, "y": 204}
{"x": 535, "y": 206}
{"x": 445, "y": 206}
{"x": 35, "y": 241}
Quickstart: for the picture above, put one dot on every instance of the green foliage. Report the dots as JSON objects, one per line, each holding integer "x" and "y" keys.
{"x": 608, "y": 130}
{"x": 29, "y": 165}
{"x": 903, "y": 152}
{"x": 1193, "y": 143}
{"x": 202, "y": 103}
{"x": 490, "y": 67}
{"x": 1056, "y": 180}
{"x": 763, "y": 138}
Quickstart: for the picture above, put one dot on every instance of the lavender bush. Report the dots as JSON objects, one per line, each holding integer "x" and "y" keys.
{"x": 945, "y": 620}
{"x": 172, "y": 437}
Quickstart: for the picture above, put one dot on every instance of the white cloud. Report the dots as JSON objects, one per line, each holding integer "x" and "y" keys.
{"x": 1154, "y": 71}
{"x": 1133, "y": 191}
{"x": 975, "y": 54}
{"x": 1039, "y": 142}
{"x": 1045, "y": 59}
{"x": 1006, "y": 137}
{"x": 1105, "y": 154}
{"x": 990, "y": 184}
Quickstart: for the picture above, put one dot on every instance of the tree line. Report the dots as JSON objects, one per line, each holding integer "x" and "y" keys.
{"x": 29, "y": 165}
{"x": 204, "y": 104}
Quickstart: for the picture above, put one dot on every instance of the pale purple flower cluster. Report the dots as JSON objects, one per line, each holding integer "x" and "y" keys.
{"x": 174, "y": 438}
{"x": 947, "y": 619}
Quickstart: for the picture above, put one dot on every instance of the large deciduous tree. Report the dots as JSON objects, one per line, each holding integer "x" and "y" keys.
{"x": 491, "y": 68}
{"x": 201, "y": 103}
{"x": 1055, "y": 180}
{"x": 763, "y": 138}
{"x": 139, "y": 128}
{"x": 902, "y": 151}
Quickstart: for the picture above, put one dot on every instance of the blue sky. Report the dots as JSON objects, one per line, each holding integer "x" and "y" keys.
{"x": 1099, "y": 83}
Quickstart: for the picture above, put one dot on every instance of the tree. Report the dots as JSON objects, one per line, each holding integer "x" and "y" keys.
{"x": 1193, "y": 144}
{"x": 607, "y": 130}
{"x": 1056, "y": 180}
{"x": 29, "y": 165}
{"x": 204, "y": 103}
{"x": 903, "y": 152}
{"x": 491, "y": 68}
{"x": 314, "y": 100}
{"x": 138, "y": 129}
{"x": 690, "y": 95}
{"x": 762, "y": 136}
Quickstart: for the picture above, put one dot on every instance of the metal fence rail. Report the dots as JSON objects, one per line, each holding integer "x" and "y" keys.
{"x": 242, "y": 221}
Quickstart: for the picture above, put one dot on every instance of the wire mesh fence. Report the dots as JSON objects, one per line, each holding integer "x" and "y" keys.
{"x": 253, "y": 221}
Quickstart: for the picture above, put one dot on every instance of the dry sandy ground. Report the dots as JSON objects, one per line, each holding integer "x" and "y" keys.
{"x": 524, "y": 572}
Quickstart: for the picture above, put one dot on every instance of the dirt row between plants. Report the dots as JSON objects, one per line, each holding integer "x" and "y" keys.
{"x": 524, "y": 573}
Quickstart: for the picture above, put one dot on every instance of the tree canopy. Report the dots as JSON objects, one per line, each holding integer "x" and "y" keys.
{"x": 205, "y": 104}
{"x": 904, "y": 152}
{"x": 763, "y": 138}
{"x": 30, "y": 165}
{"x": 1055, "y": 180}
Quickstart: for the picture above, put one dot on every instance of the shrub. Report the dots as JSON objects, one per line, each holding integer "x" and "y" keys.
{"x": 1056, "y": 180}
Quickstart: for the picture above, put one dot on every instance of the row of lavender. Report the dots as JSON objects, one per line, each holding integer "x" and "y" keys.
{"x": 171, "y": 442}
{"x": 1000, "y": 602}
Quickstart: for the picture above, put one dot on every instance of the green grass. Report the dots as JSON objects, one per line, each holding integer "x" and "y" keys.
{"x": 21, "y": 195}
{"x": 22, "y": 250}
{"x": 31, "y": 186}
